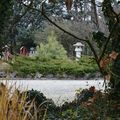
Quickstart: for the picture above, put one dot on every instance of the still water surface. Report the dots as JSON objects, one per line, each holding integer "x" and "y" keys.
{"x": 59, "y": 90}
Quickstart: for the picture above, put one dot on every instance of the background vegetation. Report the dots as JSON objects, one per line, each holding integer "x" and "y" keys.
{"x": 52, "y": 49}
{"x": 58, "y": 67}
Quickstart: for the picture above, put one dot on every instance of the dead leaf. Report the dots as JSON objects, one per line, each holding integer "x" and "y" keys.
{"x": 68, "y": 4}
{"x": 87, "y": 104}
{"x": 91, "y": 100}
{"x": 113, "y": 55}
{"x": 92, "y": 89}
{"x": 105, "y": 62}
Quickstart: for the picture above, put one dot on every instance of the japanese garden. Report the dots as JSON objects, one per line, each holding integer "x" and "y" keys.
{"x": 59, "y": 59}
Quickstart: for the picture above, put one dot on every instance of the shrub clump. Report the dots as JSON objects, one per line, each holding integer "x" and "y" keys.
{"x": 30, "y": 66}
{"x": 52, "y": 49}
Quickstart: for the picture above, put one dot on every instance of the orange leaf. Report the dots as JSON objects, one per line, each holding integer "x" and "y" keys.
{"x": 113, "y": 55}
{"x": 104, "y": 62}
{"x": 69, "y": 4}
{"x": 92, "y": 89}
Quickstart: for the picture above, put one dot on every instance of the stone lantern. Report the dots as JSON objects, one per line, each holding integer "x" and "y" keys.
{"x": 32, "y": 51}
{"x": 78, "y": 50}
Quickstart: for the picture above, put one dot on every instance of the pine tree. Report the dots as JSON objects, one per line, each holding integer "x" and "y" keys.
{"x": 53, "y": 49}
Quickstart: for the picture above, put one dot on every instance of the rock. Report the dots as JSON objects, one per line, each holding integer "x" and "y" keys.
{"x": 98, "y": 75}
{"x": 88, "y": 76}
{"x": 13, "y": 75}
{"x": 2, "y": 74}
{"x": 72, "y": 77}
{"x": 38, "y": 75}
{"x": 59, "y": 76}
{"x": 29, "y": 76}
{"x": 65, "y": 76}
{"x": 49, "y": 76}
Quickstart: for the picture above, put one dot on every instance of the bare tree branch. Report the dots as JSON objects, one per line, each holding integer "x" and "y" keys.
{"x": 80, "y": 39}
{"x": 62, "y": 29}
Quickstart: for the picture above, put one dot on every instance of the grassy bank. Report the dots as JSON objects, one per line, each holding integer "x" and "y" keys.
{"x": 30, "y": 66}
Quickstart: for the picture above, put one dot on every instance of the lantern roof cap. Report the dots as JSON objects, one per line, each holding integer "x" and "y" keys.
{"x": 78, "y": 44}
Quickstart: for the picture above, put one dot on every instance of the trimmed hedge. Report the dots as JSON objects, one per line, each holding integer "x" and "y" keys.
{"x": 29, "y": 66}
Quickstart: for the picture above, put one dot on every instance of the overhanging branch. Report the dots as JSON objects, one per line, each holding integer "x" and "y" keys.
{"x": 65, "y": 31}
{"x": 59, "y": 27}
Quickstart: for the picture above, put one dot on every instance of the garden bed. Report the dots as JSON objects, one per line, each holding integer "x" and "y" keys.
{"x": 26, "y": 67}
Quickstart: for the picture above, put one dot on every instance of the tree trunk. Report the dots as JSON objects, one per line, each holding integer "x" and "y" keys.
{"x": 113, "y": 19}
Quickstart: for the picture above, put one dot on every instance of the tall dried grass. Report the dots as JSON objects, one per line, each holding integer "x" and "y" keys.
{"x": 13, "y": 105}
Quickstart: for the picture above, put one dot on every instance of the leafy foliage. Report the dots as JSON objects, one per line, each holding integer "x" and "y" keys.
{"x": 47, "y": 66}
{"x": 5, "y": 15}
{"x": 99, "y": 38}
{"x": 53, "y": 49}
{"x": 33, "y": 105}
{"x": 41, "y": 104}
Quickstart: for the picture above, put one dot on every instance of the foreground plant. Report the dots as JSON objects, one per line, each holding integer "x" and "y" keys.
{"x": 27, "y": 105}
{"x": 15, "y": 105}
